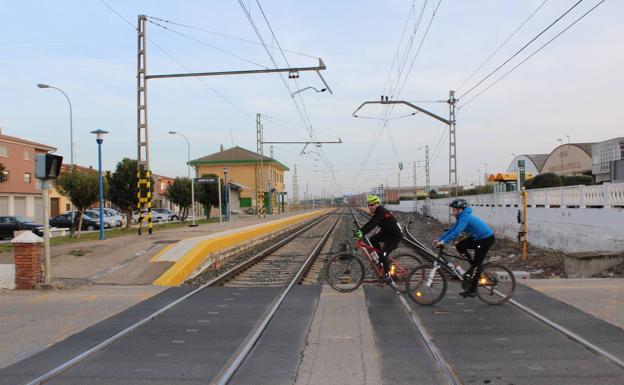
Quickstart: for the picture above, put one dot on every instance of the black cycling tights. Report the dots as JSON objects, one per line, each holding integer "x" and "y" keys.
{"x": 480, "y": 247}
{"x": 389, "y": 243}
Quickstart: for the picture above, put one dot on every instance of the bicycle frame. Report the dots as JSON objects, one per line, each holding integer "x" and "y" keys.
{"x": 365, "y": 248}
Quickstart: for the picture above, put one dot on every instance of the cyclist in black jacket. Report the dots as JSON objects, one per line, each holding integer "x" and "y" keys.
{"x": 390, "y": 234}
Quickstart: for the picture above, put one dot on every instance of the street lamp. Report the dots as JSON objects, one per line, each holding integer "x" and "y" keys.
{"x": 308, "y": 88}
{"x": 188, "y": 144}
{"x": 226, "y": 194}
{"x": 561, "y": 154}
{"x": 486, "y": 173}
{"x": 99, "y": 139}
{"x": 71, "y": 142}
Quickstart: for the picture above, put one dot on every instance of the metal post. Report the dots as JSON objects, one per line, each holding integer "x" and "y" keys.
{"x": 220, "y": 207}
{"x": 427, "y": 181}
{"x": 452, "y": 149}
{"x": 226, "y": 194}
{"x": 99, "y": 142}
{"x": 45, "y": 196}
{"x": 143, "y": 164}
{"x": 524, "y": 225}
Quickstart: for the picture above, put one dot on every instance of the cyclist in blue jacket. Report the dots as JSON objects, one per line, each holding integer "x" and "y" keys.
{"x": 480, "y": 239}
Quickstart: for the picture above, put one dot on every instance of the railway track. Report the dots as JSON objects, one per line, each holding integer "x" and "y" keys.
{"x": 270, "y": 267}
{"x": 450, "y": 372}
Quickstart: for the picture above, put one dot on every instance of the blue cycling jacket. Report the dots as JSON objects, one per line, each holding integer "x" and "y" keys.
{"x": 466, "y": 222}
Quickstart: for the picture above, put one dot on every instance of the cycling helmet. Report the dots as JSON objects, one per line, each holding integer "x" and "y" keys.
{"x": 373, "y": 199}
{"x": 459, "y": 204}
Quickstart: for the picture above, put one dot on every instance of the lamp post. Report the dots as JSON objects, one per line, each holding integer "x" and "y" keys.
{"x": 188, "y": 144}
{"x": 71, "y": 142}
{"x": 99, "y": 139}
{"x": 226, "y": 194}
{"x": 561, "y": 154}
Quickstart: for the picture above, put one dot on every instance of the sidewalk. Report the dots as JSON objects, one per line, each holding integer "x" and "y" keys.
{"x": 31, "y": 320}
{"x": 601, "y": 297}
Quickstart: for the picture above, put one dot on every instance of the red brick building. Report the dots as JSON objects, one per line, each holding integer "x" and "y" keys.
{"x": 20, "y": 193}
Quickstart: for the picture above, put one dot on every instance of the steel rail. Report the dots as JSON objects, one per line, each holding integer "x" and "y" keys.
{"x": 545, "y": 320}
{"x": 438, "y": 357}
{"x": 231, "y": 273}
{"x": 227, "y": 373}
{"x": 119, "y": 335}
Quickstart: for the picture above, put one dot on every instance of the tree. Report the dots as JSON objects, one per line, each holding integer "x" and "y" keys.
{"x": 180, "y": 194}
{"x": 123, "y": 188}
{"x": 545, "y": 180}
{"x": 82, "y": 189}
{"x": 207, "y": 193}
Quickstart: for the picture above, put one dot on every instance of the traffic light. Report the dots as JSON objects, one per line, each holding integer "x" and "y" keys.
{"x": 48, "y": 166}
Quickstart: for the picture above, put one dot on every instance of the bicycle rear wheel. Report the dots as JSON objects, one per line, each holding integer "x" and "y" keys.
{"x": 344, "y": 272}
{"x": 426, "y": 285}
{"x": 400, "y": 267}
{"x": 496, "y": 284}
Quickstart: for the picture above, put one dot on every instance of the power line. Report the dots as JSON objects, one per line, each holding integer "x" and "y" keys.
{"x": 502, "y": 45}
{"x": 388, "y": 111}
{"x": 225, "y": 35}
{"x": 206, "y": 44}
{"x": 201, "y": 80}
{"x": 521, "y": 49}
{"x": 532, "y": 54}
{"x": 305, "y": 118}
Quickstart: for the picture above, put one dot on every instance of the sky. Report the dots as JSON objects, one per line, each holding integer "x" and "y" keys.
{"x": 570, "y": 88}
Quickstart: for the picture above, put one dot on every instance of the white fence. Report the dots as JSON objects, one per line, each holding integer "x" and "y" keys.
{"x": 601, "y": 196}
{"x": 573, "y": 219}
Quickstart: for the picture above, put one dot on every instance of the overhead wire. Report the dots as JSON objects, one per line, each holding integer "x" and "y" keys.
{"x": 487, "y": 60}
{"x": 532, "y": 54}
{"x": 326, "y": 161}
{"x": 207, "y": 44}
{"x": 226, "y": 35}
{"x": 201, "y": 80}
{"x": 396, "y": 92}
{"x": 521, "y": 49}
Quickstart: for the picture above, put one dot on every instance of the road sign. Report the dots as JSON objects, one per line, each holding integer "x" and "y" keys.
{"x": 521, "y": 174}
{"x": 207, "y": 180}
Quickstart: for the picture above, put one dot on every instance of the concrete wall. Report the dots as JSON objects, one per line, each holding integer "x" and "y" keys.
{"x": 562, "y": 228}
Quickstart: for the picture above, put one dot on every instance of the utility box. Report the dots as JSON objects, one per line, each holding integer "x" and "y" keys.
{"x": 48, "y": 166}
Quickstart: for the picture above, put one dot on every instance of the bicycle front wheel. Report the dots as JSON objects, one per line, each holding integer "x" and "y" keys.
{"x": 496, "y": 284}
{"x": 400, "y": 267}
{"x": 426, "y": 285}
{"x": 344, "y": 272}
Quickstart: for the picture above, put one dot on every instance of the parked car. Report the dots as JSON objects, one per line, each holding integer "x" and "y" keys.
{"x": 156, "y": 216}
{"x": 171, "y": 215}
{"x": 110, "y": 220}
{"x": 64, "y": 221}
{"x": 9, "y": 224}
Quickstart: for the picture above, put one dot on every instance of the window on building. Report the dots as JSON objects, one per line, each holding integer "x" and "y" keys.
{"x": 4, "y": 150}
{"x": 26, "y": 155}
{"x": 27, "y": 177}
{"x": 4, "y": 176}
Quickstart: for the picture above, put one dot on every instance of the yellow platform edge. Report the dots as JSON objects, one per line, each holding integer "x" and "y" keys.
{"x": 183, "y": 268}
{"x": 161, "y": 252}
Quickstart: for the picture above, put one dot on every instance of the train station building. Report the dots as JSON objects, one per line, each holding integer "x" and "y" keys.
{"x": 241, "y": 176}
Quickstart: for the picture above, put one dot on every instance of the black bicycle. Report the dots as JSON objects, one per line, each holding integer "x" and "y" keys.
{"x": 427, "y": 284}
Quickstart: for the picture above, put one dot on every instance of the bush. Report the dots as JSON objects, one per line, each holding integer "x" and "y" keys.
{"x": 575, "y": 180}
{"x": 546, "y": 180}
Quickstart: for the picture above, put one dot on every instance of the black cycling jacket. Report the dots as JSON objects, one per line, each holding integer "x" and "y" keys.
{"x": 386, "y": 221}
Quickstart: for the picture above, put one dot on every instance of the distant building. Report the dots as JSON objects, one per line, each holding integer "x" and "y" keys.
{"x": 241, "y": 165}
{"x": 160, "y": 192}
{"x": 604, "y": 154}
{"x": 20, "y": 194}
{"x": 533, "y": 163}
{"x": 569, "y": 159}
